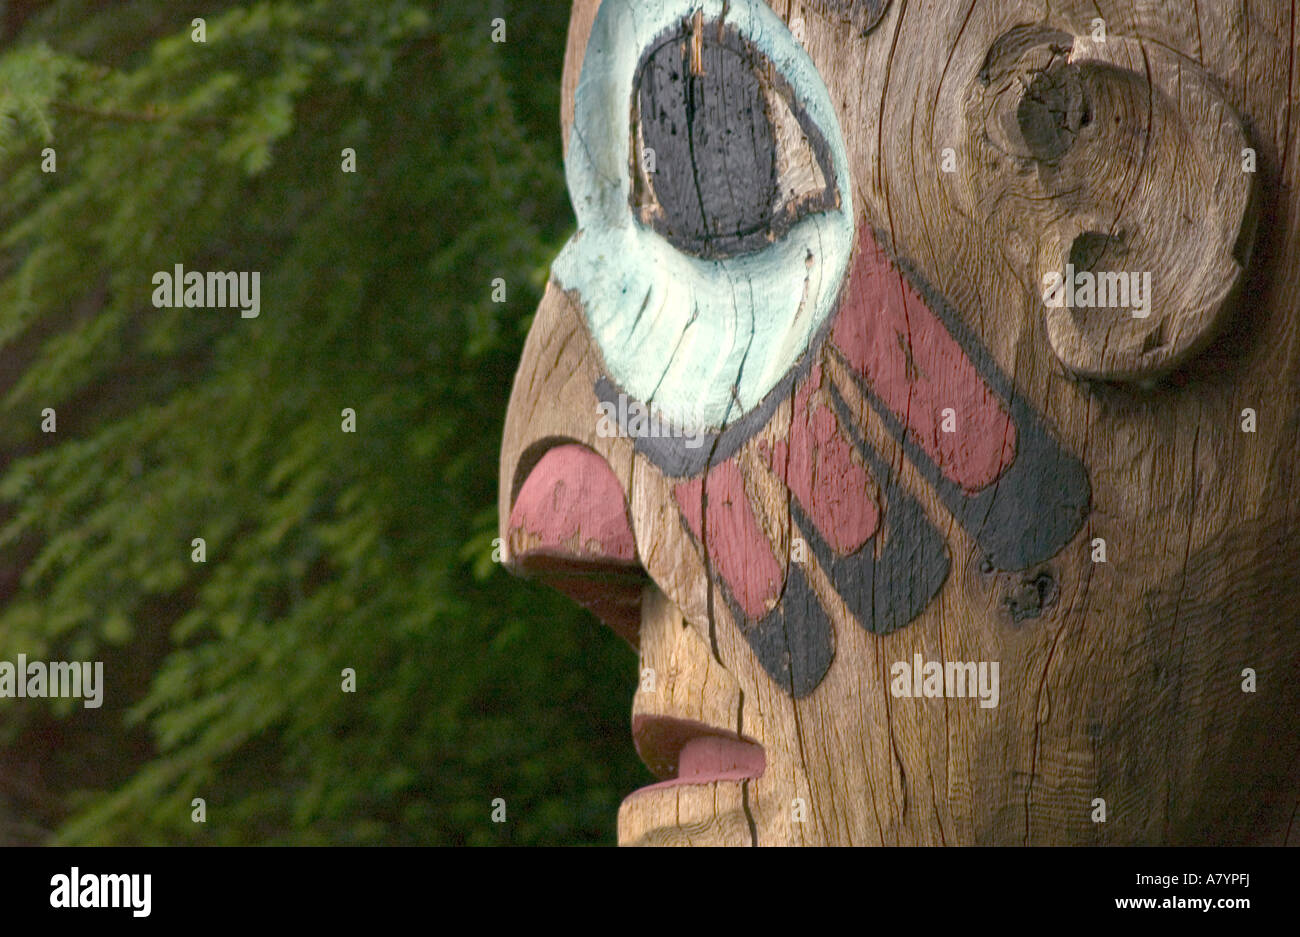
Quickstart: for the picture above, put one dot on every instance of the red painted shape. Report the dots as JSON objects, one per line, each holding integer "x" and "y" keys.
{"x": 817, "y": 465}
{"x": 891, "y": 338}
{"x": 682, "y": 751}
{"x": 737, "y": 546}
{"x": 716, "y": 758}
{"x": 569, "y": 527}
{"x": 572, "y": 503}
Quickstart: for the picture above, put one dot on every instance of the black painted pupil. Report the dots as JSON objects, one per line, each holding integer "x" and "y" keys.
{"x": 715, "y": 176}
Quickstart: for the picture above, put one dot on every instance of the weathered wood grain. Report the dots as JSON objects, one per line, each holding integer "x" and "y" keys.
{"x": 833, "y": 530}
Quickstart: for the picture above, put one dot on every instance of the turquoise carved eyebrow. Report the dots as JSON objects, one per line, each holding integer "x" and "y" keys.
{"x": 701, "y": 340}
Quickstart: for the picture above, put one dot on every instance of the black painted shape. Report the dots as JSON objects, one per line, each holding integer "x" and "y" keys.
{"x": 716, "y": 159}
{"x": 714, "y": 145}
{"x": 1039, "y": 503}
{"x": 794, "y": 641}
{"x": 884, "y": 593}
{"x": 671, "y": 454}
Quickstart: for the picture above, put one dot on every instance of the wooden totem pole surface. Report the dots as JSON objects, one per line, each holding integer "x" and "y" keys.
{"x": 919, "y": 394}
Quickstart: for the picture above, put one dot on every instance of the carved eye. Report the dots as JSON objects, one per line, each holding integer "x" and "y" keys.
{"x": 725, "y": 160}
{"x": 711, "y": 185}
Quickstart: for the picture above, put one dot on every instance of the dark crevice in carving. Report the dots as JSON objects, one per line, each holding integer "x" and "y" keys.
{"x": 1088, "y": 249}
{"x": 1052, "y": 111}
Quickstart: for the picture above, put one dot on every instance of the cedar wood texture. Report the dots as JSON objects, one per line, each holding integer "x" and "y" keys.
{"x": 1119, "y": 680}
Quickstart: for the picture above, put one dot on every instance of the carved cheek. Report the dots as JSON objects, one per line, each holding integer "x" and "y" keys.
{"x": 712, "y": 266}
{"x": 1112, "y": 172}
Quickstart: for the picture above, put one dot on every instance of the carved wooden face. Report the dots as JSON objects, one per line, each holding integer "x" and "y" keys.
{"x": 890, "y": 398}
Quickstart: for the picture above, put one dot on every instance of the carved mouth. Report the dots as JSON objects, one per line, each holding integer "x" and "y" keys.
{"x": 681, "y": 752}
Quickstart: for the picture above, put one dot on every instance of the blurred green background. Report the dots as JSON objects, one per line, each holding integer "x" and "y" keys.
{"x": 325, "y": 550}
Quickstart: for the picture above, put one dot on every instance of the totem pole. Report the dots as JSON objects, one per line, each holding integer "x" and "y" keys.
{"x": 920, "y": 395}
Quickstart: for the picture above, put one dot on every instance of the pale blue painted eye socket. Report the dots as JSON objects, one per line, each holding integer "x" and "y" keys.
{"x": 702, "y": 340}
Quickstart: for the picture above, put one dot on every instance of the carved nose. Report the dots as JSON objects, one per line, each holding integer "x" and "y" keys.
{"x": 569, "y": 528}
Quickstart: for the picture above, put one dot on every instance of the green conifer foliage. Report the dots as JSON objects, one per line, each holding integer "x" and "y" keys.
{"x": 325, "y": 550}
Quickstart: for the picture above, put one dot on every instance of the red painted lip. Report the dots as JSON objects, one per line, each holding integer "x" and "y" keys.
{"x": 681, "y": 752}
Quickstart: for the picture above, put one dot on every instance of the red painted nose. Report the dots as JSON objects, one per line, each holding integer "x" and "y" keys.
{"x": 569, "y": 527}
